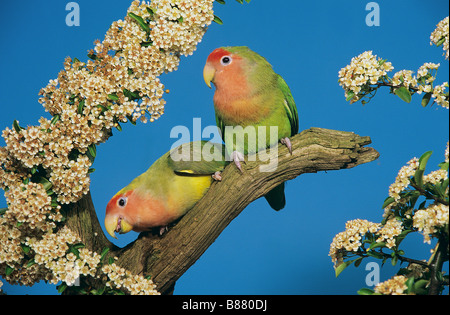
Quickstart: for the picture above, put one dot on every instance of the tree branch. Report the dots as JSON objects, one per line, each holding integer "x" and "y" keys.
{"x": 167, "y": 257}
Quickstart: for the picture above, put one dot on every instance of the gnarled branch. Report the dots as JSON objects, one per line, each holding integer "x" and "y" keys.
{"x": 168, "y": 256}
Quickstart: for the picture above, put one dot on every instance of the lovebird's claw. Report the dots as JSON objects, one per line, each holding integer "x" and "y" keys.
{"x": 217, "y": 176}
{"x": 163, "y": 229}
{"x": 238, "y": 157}
{"x": 287, "y": 142}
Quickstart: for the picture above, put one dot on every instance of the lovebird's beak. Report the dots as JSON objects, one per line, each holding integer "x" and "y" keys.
{"x": 208, "y": 74}
{"x": 115, "y": 223}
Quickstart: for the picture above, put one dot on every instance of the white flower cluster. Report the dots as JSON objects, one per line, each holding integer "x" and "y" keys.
{"x": 395, "y": 286}
{"x": 403, "y": 179}
{"x": 440, "y": 36}
{"x": 44, "y": 166}
{"x": 431, "y": 219}
{"x": 119, "y": 278}
{"x": 389, "y": 231}
{"x": 366, "y": 74}
{"x": 350, "y": 239}
{"x": 364, "y": 70}
{"x": 434, "y": 217}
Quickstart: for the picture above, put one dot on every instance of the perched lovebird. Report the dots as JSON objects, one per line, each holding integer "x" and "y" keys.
{"x": 249, "y": 93}
{"x": 167, "y": 190}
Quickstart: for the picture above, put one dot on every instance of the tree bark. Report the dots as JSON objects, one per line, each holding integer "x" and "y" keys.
{"x": 167, "y": 257}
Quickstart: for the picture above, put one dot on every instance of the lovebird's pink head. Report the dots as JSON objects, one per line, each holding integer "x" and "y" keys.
{"x": 224, "y": 69}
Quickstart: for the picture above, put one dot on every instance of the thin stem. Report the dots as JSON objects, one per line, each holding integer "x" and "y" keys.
{"x": 423, "y": 192}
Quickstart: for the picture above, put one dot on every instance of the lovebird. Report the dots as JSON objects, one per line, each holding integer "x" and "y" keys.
{"x": 167, "y": 190}
{"x": 249, "y": 93}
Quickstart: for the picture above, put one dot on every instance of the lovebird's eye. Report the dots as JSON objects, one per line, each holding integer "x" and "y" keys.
{"x": 226, "y": 60}
{"x": 122, "y": 202}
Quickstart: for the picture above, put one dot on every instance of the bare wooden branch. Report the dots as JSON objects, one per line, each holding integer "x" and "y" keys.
{"x": 167, "y": 257}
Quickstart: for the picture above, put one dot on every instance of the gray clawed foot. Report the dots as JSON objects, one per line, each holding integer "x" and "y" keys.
{"x": 217, "y": 176}
{"x": 238, "y": 157}
{"x": 287, "y": 142}
{"x": 163, "y": 229}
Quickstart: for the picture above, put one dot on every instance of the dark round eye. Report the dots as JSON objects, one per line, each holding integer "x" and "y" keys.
{"x": 122, "y": 202}
{"x": 226, "y": 60}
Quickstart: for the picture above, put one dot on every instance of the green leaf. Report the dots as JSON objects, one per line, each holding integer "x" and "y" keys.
{"x": 62, "y": 287}
{"x": 54, "y": 120}
{"x": 140, "y": 21}
{"x": 45, "y": 182}
{"x": 9, "y": 270}
{"x": 376, "y": 245}
{"x": 3, "y": 211}
{"x": 358, "y": 261}
{"x": 350, "y": 95}
{"x": 426, "y": 99}
{"x": 92, "y": 56}
{"x": 423, "y": 160}
{"x": 394, "y": 259}
{"x": 440, "y": 42}
{"x": 240, "y": 1}
{"x": 387, "y": 202}
{"x": 419, "y": 287}
{"x": 343, "y": 265}
{"x": 409, "y": 283}
{"x": 145, "y": 44}
{"x": 365, "y": 291}
{"x": 418, "y": 175}
{"x": 403, "y": 93}
{"x": 443, "y": 186}
{"x": 16, "y": 126}
{"x": 80, "y": 107}
{"x": 74, "y": 251}
{"x": 112, "y": 97}
{"x": 26, "y": 249}
{"x": 220, "y": 1}
{"x": 104, "y": 252}
{"x": 443, "y": 166}
{"x": 150, "y": 11}
{"x": 92, "y": 152}
{"x": 30, "y": 263}
{"x": 131, "y": 95}
{"x": 217, "y": 20}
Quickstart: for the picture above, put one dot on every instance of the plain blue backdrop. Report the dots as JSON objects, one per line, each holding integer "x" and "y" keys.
{"x": 307, "y": 42}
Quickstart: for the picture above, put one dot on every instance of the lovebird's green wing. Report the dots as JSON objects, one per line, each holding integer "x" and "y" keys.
{"x": 198, "y": 158}
{"x": 289, "y": 105}
{"x": 276, "y": 197}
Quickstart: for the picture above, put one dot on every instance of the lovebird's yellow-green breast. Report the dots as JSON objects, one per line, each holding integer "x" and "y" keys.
{"x": 249, "y": 93}
{"x": 167, "y": 190}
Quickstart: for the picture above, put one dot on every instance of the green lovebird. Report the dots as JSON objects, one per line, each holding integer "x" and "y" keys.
{"x": 167, "y": 190}
{"x": 249, "y": 93}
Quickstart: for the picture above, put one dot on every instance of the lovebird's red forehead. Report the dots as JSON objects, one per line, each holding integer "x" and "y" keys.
{"x": 217, "y": 54}
{"x": 113, "y": 202}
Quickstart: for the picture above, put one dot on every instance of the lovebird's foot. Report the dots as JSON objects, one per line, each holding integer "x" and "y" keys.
{"x": 287, "y": 142}
{"x": 238, "y": 157}
{"x": 217, "y": 176}
{"x": 163, "y": 229}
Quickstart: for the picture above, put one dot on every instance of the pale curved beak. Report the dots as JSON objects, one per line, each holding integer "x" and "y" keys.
{"x": 208, "y": 74}
{"x": 115, "y": 223}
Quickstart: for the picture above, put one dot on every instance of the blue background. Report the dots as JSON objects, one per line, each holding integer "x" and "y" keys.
{"x": 307, "y": 42}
